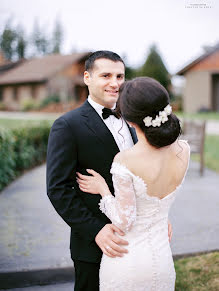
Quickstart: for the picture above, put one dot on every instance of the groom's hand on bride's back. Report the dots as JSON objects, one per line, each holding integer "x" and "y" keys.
{"x": 109, "y": 242}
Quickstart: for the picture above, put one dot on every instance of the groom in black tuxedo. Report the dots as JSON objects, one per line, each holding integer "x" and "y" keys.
{"x": 88, "y": 138}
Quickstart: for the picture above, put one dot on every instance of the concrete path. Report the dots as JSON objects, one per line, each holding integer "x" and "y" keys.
{"x": 212, "y": 127}
{"x": 54, "y": 287}
{"x": 34, "y": 241}
{"x": 32, "y": 236}
{"x": 195, "y": 213}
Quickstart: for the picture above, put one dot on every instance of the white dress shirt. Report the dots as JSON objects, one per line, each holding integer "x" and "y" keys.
{"x": 117, "y": 127}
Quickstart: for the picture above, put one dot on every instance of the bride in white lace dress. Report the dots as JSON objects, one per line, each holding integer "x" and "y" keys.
{"x": 146, "y": 180}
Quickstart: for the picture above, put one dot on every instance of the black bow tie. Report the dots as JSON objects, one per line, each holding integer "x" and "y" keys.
{"x": 106, "y": 112}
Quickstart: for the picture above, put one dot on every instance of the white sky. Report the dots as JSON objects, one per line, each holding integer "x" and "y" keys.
{"x": 124, "y": 26}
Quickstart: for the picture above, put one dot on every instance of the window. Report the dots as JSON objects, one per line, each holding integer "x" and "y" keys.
{"x": 15, "y": 93}
{"x": 1, "y": 94}
{"x": 33, "y": 91}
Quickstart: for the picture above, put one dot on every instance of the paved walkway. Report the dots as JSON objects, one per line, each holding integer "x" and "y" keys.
{"x": 54, "y": 287}
{"x": 34, "y": 241}
{"x": 212, "y": 127}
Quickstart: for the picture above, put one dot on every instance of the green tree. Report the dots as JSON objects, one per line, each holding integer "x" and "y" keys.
{"x": 8, "y": 41}
{"x": 130, "y": 72}
{"x": 39, "y": 41}
{"x": 21, "y": 43}
{"x": 57, "y": 38}
{"x": 155, "y": 68}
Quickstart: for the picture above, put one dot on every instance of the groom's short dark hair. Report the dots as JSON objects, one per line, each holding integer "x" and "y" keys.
{"x": 89, "y": 63}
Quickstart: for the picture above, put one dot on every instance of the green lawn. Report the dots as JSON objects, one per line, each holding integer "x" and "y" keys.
{"x": 12, "y": 123}
{"x": 211, "y": 156}
{"x": 202, "y": 115}
{"x": 212, "y": 152}
{"x": 199, "y": 273}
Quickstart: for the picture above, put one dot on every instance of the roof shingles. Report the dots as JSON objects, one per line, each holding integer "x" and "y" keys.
{"x": 40, "y": 69}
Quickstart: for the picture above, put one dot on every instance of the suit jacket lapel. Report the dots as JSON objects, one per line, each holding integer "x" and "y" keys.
{"x": 99, "y": 128}
{"x": 133, "y": 133}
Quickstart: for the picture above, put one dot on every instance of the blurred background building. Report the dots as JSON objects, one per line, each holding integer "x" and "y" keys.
{"x": 38, "y": 78}
{"x": 201, "y": 92}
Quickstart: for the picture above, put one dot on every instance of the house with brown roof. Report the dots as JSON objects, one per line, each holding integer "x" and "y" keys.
{"x": 201, "y": 91}
{"x": 39, "y": 78}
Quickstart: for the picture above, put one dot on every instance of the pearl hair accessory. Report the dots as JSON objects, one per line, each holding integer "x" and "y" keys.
{"x": 163, "y": 117}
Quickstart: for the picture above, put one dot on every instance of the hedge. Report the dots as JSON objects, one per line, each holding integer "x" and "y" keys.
{"x": 20, "y": 149}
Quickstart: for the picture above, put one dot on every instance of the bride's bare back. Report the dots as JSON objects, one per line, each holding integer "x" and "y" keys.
{"x": 162, "y": 169}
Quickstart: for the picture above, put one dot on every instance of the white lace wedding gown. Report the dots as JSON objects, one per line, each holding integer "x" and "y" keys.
{"x": 148, "y": 265}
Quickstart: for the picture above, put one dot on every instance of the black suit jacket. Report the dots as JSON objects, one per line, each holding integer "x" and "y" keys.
{"x": 80, "y": 140}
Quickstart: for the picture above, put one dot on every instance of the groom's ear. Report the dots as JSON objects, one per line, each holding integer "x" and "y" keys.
{"x": 87, "y": 78}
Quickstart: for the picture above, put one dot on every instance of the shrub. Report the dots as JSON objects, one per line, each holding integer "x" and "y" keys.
{"x": 177, "y": 103}
{"x": 7, "y": 158}
{"x": 29, "y": 104}
{"x": 20, "y": 149}
{"x": 49, "y": 100}
{"x": 2, "y": 106}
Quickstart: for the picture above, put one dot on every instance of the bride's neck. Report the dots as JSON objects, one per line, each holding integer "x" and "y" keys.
{"x": 144, "y": 144}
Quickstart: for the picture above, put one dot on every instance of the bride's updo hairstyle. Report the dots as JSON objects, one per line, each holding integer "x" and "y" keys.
{"x": 145, "y": 97}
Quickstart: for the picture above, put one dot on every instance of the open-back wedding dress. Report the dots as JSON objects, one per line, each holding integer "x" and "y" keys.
{"x": 148, "y": 265}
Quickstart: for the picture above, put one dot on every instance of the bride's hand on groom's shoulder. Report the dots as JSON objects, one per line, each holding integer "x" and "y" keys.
{"x": 94, "y": 184}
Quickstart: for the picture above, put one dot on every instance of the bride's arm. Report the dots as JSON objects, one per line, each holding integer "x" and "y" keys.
{"x": 121, "y": 209}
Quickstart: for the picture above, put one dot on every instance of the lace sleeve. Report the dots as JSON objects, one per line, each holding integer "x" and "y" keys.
{"x": 121, "y": 209}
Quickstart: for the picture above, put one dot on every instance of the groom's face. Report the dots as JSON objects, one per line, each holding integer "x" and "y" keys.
{"x": 104, "y": 81}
